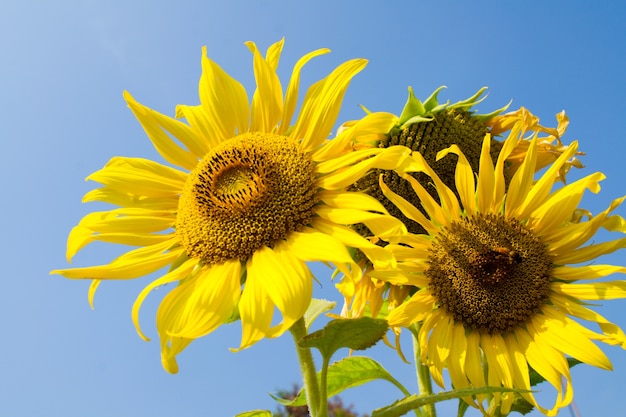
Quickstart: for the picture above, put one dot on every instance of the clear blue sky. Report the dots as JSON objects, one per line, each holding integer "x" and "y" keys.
{"x": 63, "y": 67}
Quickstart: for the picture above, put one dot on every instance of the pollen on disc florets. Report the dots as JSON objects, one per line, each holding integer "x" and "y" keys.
{"x": 490, "y": 273}
{"x": 248, "y": 192}
{"x": 448, "y": 127}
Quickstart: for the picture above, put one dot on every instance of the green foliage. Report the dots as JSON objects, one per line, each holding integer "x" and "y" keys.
{"x": 356, "y": 334}
{"x": 336, "y": 407}
{"x": 347, "y": 373}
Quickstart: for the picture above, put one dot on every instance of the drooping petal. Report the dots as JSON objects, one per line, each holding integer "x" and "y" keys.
{"x": 415, "y": 309}
{"x": 201, "y": 303}
{"x": 174, "y": 275}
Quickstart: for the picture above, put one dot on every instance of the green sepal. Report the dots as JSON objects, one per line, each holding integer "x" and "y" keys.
{"x": 415, "y": 401}
{"x": 255, "y": 413}
{"x": 432, "y": 102}
{"x": 470, "y": 102}
{"x": 347, "y": 373}
{"x": 355, "y": 334}
{"x": 412, "y": 108}
{"x": 316, "y": 308}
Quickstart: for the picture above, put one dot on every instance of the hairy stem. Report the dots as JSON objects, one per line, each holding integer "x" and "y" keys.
{"x": 307, "y": 368}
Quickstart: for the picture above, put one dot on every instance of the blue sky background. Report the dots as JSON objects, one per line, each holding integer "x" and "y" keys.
{"x": 64, "y": 66}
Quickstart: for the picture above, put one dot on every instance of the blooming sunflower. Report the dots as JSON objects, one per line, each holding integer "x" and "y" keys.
{"x": 428, "y": 127}
{"x": 503, "y": 276}
{"x": 250, "y": 201}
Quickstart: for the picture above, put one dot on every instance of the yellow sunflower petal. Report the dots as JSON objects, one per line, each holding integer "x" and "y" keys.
{"x": 408, "y": 209}
{"x": 310, "y": 245}
{"x": 125, "y": 199}
{"x": 569, "y": 337}
{"x": 521, "y": 182}
{"x": 437, "y": 214}
{"x": 415, "y": 309}
{"x": 223, "y": 99}
{"x": 458, "y": 359}
{"x": 201, "y": 303}
{"x": 474, "y": 362}
{"x": 380, "y": 225}
{"x": 558, "y": 207}
{"x": 130, "y": 226}
{"x": 267, "y": 101}
{"x": 157, "y": 126}
{"x": 497, "y": 356}
{"x": 565, "y": 239}
{"x": 439, "y": 343}
{"x": 139, "y": 177}
{"x": 169, "y": 349}
{"x": 132, "y": 264}
{"x": 174, "y": 275}
{"x": 376, "y": 124}
{"x": 596, "y": 291}
{"x": 202, "y": 127}
{"x": 549, "y": 363}
{"x": 575, "y": 273}
{"x": 614, "y": 334}
{"x": 464, "y": 178}
{"x": 291, "y": 97}
{"x": 352, "y": 200}
{"x": 290, "y": 287}
{"x": 519, "y": 367}
{"x": 541, "y": 189}
{"x": 378, "y": 255}
{"x": 486, "y": 178}
{"x": 590, "y": 252}
{"x": 341, "y": 176}
{"x": 322, "y": 104}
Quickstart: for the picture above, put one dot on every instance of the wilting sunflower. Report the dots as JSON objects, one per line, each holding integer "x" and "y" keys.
{"x": 503, "y": 274}
{"x": 429, "y": 127}
{"x": 251, "y": 200}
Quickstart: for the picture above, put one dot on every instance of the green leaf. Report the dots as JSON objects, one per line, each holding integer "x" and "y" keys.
{"x": 316, "y": 308}
{"x": 403, "y": 406}
{"x": 356, "y": 334}
{"x": 348, "y": 373}
{"x": 521, "y": 405}
{"x": 255, "y": 413}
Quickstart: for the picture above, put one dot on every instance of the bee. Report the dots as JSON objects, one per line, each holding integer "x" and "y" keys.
{"x": 513, "y": 256}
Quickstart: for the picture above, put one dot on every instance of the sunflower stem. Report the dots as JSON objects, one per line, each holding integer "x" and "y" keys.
{"x": 424, "y": 381}
{"x": 307, "y": 368}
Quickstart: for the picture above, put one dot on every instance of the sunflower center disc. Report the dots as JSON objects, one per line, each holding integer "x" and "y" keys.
{"x": 490, "y": 273}
{"x": 248, "y": 192}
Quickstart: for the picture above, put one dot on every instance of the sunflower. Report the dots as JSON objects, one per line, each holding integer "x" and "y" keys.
{"x": 428, "y": 127}
{"x": 503, "y": 276}
{"x": 245, "y": 201}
